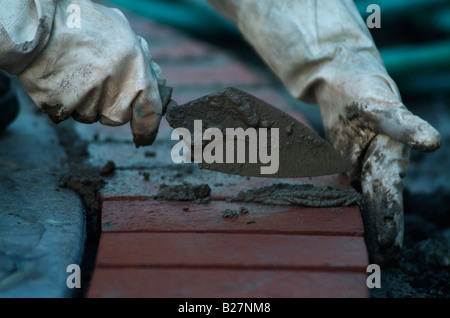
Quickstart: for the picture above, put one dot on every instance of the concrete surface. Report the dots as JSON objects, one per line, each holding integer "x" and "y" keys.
{"x": 42, "y": 227}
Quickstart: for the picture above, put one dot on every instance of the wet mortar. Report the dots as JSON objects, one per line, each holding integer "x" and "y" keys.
{"x": 231, "y": 213}
{"x": 303, "y": 195}
{"x": 108, "y": 168}
{"x": 184, "y": 192}
{"x": 87, "y": 181}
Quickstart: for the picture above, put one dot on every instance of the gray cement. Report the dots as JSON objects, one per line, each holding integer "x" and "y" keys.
{"x": 184, "y": 192}
{"x": 305, "y": 195}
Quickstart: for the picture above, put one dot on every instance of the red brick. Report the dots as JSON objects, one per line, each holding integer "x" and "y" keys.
{"x": 187, "y": 283}
{"x": 155, "y": 33}
{"x": 271, "y": 97}
{"x": 223, "y": 74}
{"x": 183, "y": 49}
{"x": 160, "y": 216}
{"x": 218, "y": 250}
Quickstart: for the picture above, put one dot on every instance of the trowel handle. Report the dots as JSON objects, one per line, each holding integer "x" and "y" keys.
{"x": 171, "y": 103}
{"x": 165, "y": 92}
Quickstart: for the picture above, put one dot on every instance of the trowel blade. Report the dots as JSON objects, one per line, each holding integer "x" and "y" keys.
{"x": 301, "y": 152}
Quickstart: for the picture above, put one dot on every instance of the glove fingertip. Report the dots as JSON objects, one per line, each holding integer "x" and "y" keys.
{"x": 144, "y": 140}
{"x": 422, "y": 137}
{"x": 427, "y": 141}
{"x": 165, "y": 92}
{"x": 412, "y": 131}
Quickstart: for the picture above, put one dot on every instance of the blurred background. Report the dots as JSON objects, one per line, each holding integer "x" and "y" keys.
{"x": 414, "y": 38}
{"x": 414, "y": 41}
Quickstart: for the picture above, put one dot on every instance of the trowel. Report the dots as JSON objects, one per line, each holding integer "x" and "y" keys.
{"x": 300, "y": 151}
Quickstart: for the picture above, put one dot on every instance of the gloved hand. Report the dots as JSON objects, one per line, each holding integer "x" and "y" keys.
{"x": 324, "y": 54}
{"x": 366, "y": 121}
{"x": 100, "y": 71}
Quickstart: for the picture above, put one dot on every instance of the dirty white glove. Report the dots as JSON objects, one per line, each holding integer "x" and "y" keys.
{"x": 97, "y": 70}
{"x": 324, "y": 54}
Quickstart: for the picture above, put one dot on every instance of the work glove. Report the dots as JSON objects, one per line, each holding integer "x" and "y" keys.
{"x": 82, "y": 60}
{"x": 324, "y": 54}
{"x": 365, "y": 119}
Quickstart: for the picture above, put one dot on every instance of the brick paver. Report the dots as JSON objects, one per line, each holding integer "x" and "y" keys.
{"x": 152, "y": 248}
{"x": 229, "y": 283}
{"x": 149, "y": 215}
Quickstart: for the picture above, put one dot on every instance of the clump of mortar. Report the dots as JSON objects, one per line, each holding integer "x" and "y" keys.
{"x": 305, "y": 195}
{"x": 82, "y": 177}
{"x": 231, "y": 213}
{"x": 184, "y": 192}
{"x": 87, "y": 181}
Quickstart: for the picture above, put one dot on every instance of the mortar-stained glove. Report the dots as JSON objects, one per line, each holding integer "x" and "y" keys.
{"x": 324, "y": 54}
{"x": 364, "y": 119}
{"x": 80, "y": 59}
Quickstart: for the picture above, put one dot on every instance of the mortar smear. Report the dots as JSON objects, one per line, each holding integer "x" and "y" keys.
{"x": 184, "y": 192}
{"x": 304, "y": 195}
{"x": 231, "y": 213}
